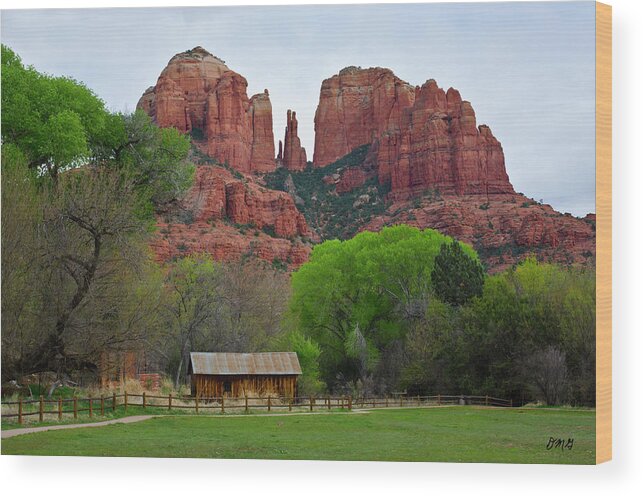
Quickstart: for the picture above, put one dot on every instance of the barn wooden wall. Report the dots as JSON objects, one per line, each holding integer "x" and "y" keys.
{"x": 208, "y": 386}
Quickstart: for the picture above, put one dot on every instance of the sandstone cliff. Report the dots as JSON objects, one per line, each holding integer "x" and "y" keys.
{"x": 385, "y": 153}
{"x": 424, "y": 138}
{"x": 503, "y": 229}
{"x": 294, "y": 155}
{"x": 231, "y": 217}
{"x": 198, "y": 94}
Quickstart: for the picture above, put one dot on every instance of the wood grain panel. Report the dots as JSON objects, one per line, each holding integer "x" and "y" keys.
{"x": 603, "y": 232}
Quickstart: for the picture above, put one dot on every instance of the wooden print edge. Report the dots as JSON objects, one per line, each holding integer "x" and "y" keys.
{"x": 603, "y": 232}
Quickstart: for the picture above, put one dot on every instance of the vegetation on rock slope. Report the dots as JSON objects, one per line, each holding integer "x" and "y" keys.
{"x": 332, "y": 215}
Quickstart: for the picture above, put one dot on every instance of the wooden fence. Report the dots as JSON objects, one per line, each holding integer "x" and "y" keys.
{"x": 134, "y": 402}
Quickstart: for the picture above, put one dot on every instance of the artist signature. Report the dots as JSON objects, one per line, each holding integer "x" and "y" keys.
{"x": 560, "y": 443}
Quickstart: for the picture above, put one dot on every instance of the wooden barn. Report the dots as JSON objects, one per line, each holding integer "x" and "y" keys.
{"x": 235, "y": 375}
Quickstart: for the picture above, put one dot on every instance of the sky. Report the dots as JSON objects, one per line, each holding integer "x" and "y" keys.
{"x": 527, "y": 68}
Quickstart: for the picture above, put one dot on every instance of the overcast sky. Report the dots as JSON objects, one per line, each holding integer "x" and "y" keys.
{"x": 527, "y": 68}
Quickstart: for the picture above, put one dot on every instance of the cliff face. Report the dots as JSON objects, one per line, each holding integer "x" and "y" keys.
{"x": 439, "y": 167}
{"x": 294, "y": 155}
{"x": 231, "y": 217}
{"x": 425, "y": 138}
{"x": 385, "y": 153}
{"x": 503, "y": 228}
{"x": 197, "y": 93}
{"x": 355, "y": 107}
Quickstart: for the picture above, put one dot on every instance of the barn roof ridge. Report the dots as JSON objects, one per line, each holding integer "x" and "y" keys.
{"x": 261, "y": 363}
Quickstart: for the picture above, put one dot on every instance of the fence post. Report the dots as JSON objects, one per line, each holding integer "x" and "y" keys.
{"x": 328, "y": 401}
{"x": 246, "y": 403}
{"x": 511, "y": 402}
{"x": 268, "y": 402}
{"x": 41, "y": 411}
{"x": 75, "y": 407}
{"x": 350, "y": 403}
{"x": 144, "y": 400}
{"x": 486, "y": 400}
{"x": 102, "y": 405}
{"x": 60, "y": 408}
{"x": 91, "y": 412}
{"x": 125, "y": 404}
{"x": 169, "y": 402}
{"x": 311, "y": 403}
{"x": 113, "y": 402}
{"x": 386, "y": 401}
{"x": 290, "y": 404}
{"x": 222, "y": 404}
{"x": 20, "y": 410}
{"x": 196, "y": 404}
{"x": 438, "y": 400}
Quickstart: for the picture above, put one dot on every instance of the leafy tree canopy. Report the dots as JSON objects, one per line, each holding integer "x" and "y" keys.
{"x": 522, "y": 313}
{"x": 59, "y": 124}
{"x": 53, "y": 120}
{"x": 155, "y": 157}
{"x": 356, "y": 297}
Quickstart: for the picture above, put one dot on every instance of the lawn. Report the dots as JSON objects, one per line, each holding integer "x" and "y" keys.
{"x": 448, "y": 434}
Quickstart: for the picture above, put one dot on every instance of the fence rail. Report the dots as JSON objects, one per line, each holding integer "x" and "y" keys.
{"x": 103, "y": 404}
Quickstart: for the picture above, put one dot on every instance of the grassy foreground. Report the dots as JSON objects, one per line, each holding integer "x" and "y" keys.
{"x": 449, "y": 434}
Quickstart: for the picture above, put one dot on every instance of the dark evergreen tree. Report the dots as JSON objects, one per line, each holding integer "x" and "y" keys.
{"x": 456, "y": 276}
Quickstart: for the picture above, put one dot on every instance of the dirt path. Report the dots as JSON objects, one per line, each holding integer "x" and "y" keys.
{"x": 29, "y": 430}
{"x": 139, "y": 418}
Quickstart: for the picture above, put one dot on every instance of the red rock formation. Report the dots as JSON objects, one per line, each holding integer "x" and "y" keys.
{"x": 425, "y": 139}
{"x": 349, "y": 179}
{"x": 198, "y": 93}
{"x": 504, "y": 228}
{"x": 262, "y": 158}
{"x": 294, "y": 155}
{"x": 217, "y": 194}
{"x": 280, "y": 153}
{"x": 224, "y": 243}
{"x": 230, "y": 217}
{"x": 206, "y": 199}
{"x": 355, "y": 107}
{"x": 252, "y": 204}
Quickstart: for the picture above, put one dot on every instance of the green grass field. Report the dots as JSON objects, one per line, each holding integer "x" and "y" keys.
{"x": 448, "y": 434}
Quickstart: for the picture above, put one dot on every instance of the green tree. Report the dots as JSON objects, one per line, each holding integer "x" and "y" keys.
{"x": 210, "y": 306}
{"x": 54, "y": 121}
{"x": 308, "y": 354}
{"x": 456, "y": 277}
{"x": 524, "y": 314}
{"x": 92, "y": 235}
{"x": 59, "y": 124}
{"x": 430, "y": 348}
{"x": 155, "y": 157}
{"x": 193, "y": 298}
{"x": 79, "y": 186}
{"x": 21, "y": 216}
{"x": 377, "y": 282}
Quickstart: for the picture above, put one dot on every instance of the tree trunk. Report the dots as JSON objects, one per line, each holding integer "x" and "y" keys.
{"x": 178, "y": 373}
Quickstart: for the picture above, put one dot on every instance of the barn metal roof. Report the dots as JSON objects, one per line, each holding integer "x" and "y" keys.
{"x": 277, "y": 363}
